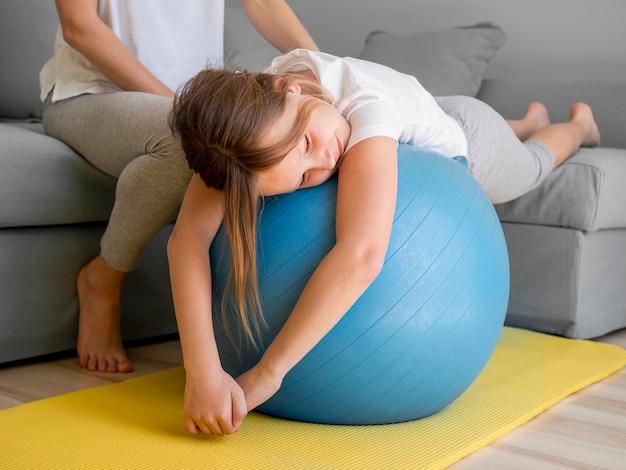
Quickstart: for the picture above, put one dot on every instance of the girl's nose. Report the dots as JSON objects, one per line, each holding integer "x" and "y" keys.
{"x": 327, "y": 160}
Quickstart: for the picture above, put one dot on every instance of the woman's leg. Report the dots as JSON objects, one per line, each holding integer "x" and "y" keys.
{"x": 127, "y": 136}
{"x": 99, "y": 288}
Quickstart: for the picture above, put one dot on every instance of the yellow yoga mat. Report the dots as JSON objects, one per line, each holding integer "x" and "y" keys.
{"x": 138, "y": 423}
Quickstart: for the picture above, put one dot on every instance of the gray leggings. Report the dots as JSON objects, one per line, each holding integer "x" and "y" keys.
{"x": 126, "y": 135}
{"x": 503, "y": 166}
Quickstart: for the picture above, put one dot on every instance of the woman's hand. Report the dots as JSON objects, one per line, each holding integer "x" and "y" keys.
{"x": 258, "y": 385}
{"x": 214, "y": 404}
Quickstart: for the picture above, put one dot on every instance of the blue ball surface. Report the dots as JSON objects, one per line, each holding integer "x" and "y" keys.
{"x": 424, "y": 329}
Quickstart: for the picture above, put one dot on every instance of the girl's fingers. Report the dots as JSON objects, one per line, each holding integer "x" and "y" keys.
{"x": 240, "y": 410}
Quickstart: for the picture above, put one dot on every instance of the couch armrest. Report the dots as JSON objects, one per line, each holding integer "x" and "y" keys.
{"x": 585, "y": 193}
{"x": 607, "y": 99}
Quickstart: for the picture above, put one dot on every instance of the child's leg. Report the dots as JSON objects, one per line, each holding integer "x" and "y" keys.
{"x": 565, "y": 138}
{"x": 510, "y": 158}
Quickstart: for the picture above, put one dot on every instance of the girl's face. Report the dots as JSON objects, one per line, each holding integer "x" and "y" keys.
{"x": 315, "y": 157}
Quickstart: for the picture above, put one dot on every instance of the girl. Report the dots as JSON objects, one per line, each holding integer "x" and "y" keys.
{"x": 252, "y": 135}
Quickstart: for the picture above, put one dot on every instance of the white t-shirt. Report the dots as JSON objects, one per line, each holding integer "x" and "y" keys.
{"x": 379, "y": 101}
{"x": 173, "y": 39}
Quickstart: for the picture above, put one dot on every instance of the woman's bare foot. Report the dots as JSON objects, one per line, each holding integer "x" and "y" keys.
{"x": 99, "y": 338}
{"x": 581, "y": 113}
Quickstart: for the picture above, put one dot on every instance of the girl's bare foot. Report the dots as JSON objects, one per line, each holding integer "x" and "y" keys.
{"x": 99, "y": 339}
{"x": 565, "y": 138}
{"x": 535, "y": 119}
{"x": 581, "y": 113}
{"x": 537, "y": 115}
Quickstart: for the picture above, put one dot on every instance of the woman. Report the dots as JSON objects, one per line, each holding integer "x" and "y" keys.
{"x": 107, "y": 92}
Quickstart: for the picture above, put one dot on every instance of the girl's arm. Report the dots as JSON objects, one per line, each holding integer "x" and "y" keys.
{"x": 277, "y": 22}
{"x": 365, "y": 207}
{"x": 214, "y": 403}
{"x": 88, "y": 34}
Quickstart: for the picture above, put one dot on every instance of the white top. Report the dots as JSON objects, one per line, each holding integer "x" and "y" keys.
{"x": 173, "y": 39}
{"x": 379, "y": 101}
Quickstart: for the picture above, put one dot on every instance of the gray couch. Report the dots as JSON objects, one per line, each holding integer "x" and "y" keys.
{"x": 567, "y": 239}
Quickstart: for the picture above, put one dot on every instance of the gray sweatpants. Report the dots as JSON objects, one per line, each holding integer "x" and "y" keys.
{"x": 126, "y": 135}
{"x": 503, "y": 166}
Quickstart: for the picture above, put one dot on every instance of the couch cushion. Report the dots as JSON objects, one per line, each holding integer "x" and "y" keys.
{"x": 586, "y": 193}
{"x": 27, "y": 29}
{"x": 44, "y": 182}
{"x": 449, "y": 62}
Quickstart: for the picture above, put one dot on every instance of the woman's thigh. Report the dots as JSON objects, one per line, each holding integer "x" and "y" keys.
{"x": 110, "y": 130}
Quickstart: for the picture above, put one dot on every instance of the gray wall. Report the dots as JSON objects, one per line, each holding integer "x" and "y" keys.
{"x": 560, "y": 39}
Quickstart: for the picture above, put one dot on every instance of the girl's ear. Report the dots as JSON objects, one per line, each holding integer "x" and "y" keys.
{"x": 280, "y": 82}
{"x": 295, "y": 89}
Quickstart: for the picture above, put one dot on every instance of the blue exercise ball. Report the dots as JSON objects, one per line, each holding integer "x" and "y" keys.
{"x": 424, "y": 329}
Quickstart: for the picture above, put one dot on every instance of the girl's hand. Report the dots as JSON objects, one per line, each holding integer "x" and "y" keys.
{"x": 214, "y": 404}
{"x": 258, "y": 386}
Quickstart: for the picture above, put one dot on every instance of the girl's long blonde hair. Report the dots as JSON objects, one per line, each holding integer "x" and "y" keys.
{"x": 220, "y": 116}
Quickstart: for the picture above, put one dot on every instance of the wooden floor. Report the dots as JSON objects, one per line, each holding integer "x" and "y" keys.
{"x": 586, "y": 430}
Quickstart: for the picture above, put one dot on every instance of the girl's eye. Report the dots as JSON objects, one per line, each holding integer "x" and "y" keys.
{"x": 307, "y": 142}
